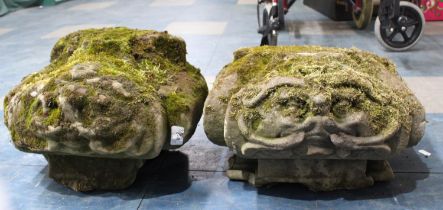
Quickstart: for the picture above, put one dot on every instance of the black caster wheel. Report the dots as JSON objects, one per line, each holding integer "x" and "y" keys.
{"x": 281, "y": 14}
{"x": 404, "y": 32}
{"x": 271, "y": 37}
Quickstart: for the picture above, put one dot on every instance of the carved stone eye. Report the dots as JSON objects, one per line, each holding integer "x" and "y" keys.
{"x": 52, "y": 103}
{"x": 294, "y": 106}
{"x": 341, "y": 108}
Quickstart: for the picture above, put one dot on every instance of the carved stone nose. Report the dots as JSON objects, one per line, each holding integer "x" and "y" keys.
{"x": 321, "y": 104}
{"x": 316, "y": 132}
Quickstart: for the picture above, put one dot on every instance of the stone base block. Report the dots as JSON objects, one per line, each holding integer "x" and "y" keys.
{"x": 317, "y": 175}
{"x": 90, "y": 173}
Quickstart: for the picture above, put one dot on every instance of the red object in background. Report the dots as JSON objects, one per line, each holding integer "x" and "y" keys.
{"x": 432, "y": 9}
{"x": 358, "y": 3}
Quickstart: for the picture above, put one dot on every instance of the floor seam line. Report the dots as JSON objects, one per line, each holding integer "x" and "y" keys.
{"x": 206, "y": 170}
{"x": 417, "y": 172}
{"x": 144, "y": 189}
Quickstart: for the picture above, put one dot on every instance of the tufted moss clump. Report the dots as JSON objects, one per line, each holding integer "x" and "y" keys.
{"x": 350, "y": 79}
{"x": 106, "y": 86}
{"x": 328, "y": 118}
{"x": 353, "y": 77}
{"x": 259, "y": 63}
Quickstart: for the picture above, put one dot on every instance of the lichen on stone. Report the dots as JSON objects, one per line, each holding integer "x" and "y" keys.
{"x": 350, "y": 80}
{"x": 328, "y": 118}
{"x": 111, "y": 92}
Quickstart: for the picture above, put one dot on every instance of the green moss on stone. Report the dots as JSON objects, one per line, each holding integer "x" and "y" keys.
{"x": 141, "y": 60}
{"x": 176, "y": 103}
{"x": 355, "y": 80}
{"x": 53, "y": 117}
{"x": 30, "y": 112}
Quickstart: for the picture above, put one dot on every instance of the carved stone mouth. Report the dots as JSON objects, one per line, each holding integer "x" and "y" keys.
{"x": 321, "y": 134}
{"x": 317, "y": 137}
{"x": 334, "y": 138}
{"x": 319, "y": 140}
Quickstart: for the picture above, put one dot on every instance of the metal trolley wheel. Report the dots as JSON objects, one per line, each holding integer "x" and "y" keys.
{"x": 266, "y": 22}
{"x": 362, "y": 13}
{"x": 271, "y": 37}
{"x": 281, "y": 14}
{"x": 260, "y": 9}
{"x": 403, "y": 33}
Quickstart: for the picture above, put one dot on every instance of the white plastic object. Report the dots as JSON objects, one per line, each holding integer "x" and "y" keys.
{"x": 177, "y": 133}
{"x": 424, "y": 152}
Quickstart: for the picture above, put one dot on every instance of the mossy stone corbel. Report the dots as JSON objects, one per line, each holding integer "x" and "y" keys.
{"x": 109, "y": 97}
{"x": 325, "y": 117}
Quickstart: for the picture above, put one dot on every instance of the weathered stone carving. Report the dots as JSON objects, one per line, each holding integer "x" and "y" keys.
{"x": 104, "y": 104}
{"x": 324, "y": 117}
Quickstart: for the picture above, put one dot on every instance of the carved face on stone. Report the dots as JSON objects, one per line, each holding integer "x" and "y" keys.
{"x": 315, "y": 117}
{"x": 111, "y": 93}
{"x": 82, "y": 112}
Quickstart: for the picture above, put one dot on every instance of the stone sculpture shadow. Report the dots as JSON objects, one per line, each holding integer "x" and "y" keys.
{"x": 399, "y": 185}
{"x": 164, "y": 175}
{"x": 171, "y": 178}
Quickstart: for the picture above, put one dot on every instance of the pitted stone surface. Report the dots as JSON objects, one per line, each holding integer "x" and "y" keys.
{"x": 108, "y": 93}
{"x": 309, "y": 102}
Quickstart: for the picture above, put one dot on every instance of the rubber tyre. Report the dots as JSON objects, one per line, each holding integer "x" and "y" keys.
{"x": 365, "y": 17}
{"x": 377, "y": 29}
{"x": 259, "y": 14}
{"x": 271, "y": 38}
{"x": 281, "y": 15}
